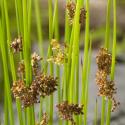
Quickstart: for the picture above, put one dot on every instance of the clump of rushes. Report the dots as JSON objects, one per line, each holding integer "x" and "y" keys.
{"x": 34, "y": 62}
{"x": 16, "y": 45}
{"x": 66, "y": 111}
{"x": 59, "y": 55}
{"x": 106, "y": 86}
{"x": 71, "y": 8}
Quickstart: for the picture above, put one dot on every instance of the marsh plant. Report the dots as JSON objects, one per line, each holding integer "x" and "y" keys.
{"x": 39, "y": 76}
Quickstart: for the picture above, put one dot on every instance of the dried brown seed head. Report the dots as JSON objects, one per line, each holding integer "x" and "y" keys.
{"x": 34, "y": 62}
{"x": 82, "y": 16}
{"x": 106, "y": 87}
{"x": 71, "y": 7}
{"x": 66, "y": 111}
{"x": 19, "y": 88}
{"x": 45, "y": 85}
{"x": 27, "y": 96}
{"x": 16, "y": 45}
{"x": 104, "y": 60}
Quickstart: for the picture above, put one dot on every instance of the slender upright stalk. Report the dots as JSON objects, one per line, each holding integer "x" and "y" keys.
{"x": 6, "y": 78}
{"x": 85, "y": 62}
{"x": 107, "y": 39}
{"x": 113, "y": 61}
{"x": 27, "y": 51}
{"x": 19, "y": 27}
{"x": 75, "y": 48}
{"x": 40, "y": 41}
{"x": 107, "y": 33}
{"x": 50, "y": 52}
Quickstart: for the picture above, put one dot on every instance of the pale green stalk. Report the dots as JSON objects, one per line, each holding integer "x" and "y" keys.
{"x": 87, "y": 83}
{"x": 40, "y": 41}
{"x": 113, "y": 60}
{"x": 27, "y": 52}
{"x": 19, "y": 24}
{"x": 50, "y": 53}
{"x": 6, "y": 78}
{"x": 75, "y": 49}
{"x": 107, "y": 41}
{"x": 6, "y": 114}
{"x": 85, "y": 62}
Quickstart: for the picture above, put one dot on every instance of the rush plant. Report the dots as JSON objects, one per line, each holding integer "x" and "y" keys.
{"x": 56, "y": 71}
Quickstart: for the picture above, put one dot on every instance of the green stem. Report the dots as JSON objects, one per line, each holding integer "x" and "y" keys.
{"x": 27, "y": 51}
{"x": 75, "y": 48}
{"x": 84, "y": 74}
{"x": 50, "y": 53}
{"x": 6, "y": 77}
{"x": 107, "y": 34}
{"x": 107, "y": 39}
{"x": 113, "y": 61}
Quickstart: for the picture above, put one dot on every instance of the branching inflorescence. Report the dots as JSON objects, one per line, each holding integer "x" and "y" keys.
{"x": 42, "y": 84}
{"x": 71, "y": 8}
{"x": 16, "y": 45}
{"x": 106, "y": 87}
{"x": 60, "y": 55}
{"x": 66, "y": 111}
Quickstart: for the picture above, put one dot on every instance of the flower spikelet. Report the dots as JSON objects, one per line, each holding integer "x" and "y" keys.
{"x": 59, "y": 55}
{"x": 35, "y": 59}
{"x": 106, "y": 87}
{"x": 44, "y": 85}
{"x": 16, "y": 45}
{"x": 104, "y": 60}
{"x": 66, "y": 111}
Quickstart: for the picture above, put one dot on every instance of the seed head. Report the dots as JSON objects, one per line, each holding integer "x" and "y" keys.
{"x": 34, "y": 62}
{"x": 27, "y": 96}
{"x": 16, "y": 45}
{"x": 44, "y": 85}
{"x": 104, "y": 60}
{"x": 66, "y": 111}
{"x": 82, "y": 16}
{"x": 60, "y": 55}
{"x": 71, "y": 8}
{"x": 106, "y": 87}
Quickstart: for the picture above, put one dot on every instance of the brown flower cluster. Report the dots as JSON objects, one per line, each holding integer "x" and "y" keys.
{"x": 24, "y": 93}
{"x": 66, "y": 111}
{"x": 42, "y": 85}
{"x": 71, "y": 8}
{"x": 16, "y": 45}
{"x": 34, "y": 62}
{"x": 106, "y": 87}
{"x": 59, "y": 56}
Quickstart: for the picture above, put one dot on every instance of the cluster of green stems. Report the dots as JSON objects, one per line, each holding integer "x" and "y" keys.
{"x": 69, "y": 89}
